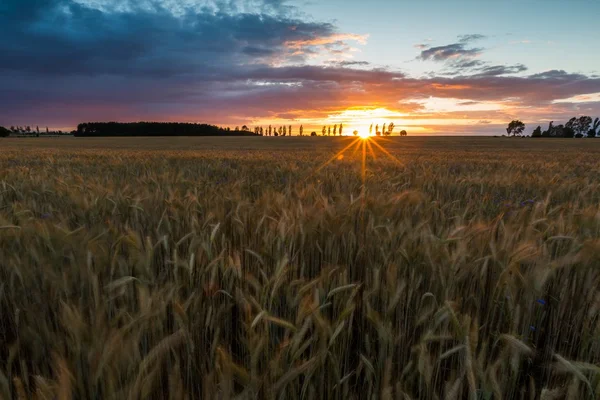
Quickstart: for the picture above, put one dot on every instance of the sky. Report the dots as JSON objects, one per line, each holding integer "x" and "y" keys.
{"x": 431, "y": 67}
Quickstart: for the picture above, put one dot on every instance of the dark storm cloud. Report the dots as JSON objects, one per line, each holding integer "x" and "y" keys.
{"x": 62, "y": 37}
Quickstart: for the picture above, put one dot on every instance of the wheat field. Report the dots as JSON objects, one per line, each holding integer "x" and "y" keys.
{"x": 189, "y": 268}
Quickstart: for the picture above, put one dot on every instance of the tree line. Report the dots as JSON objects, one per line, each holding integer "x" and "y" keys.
{"x": 576, "y": 127}
{"x": 327, "y": 130}
{"x": 29, "y": 131}
{"x": 95, "y": 129}
{"x": 110, "y": 129}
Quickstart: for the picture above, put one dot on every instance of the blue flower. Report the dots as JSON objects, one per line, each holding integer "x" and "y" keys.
{"x": 527, "y": 202}
{"x": 532, "y": 327}
{"x": 541, "y": 301}
{"x": 46, "y": 216}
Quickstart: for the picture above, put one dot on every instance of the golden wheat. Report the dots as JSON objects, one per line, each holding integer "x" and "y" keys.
{"x": 230, "y": 269}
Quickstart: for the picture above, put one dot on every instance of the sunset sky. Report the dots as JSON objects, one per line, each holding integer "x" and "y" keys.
{"x": 431, "y": 67}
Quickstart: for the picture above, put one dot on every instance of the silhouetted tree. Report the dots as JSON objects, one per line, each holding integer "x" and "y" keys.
{"x": 567, "y": 132}
{"x": 335, "y": 130}
{"x": 383, "y": 130}
{"x": 403, "y": 133}
{"x": 341, "y": 129}
{"x": 270, "y": 130}
{"x": 355, "y": 133}
{"x": 591, "y": 133}
{"x": 4, "y": 132}
{"x": 154, "y": 129}
{"x": 329, "y": 131}
{"x": 290, "y": 130}
{"x": 537, "y": 132}
{"x": 301, "y": 130}
{"x": 547, "y": 132}
{"x": 515, "y": 128}
{"x": 284, "y": 131}
{"x": 313, "y": 133}
{"x": 324, "y": 130}
{"x": 596, "y": 126}
{"x": 28, "y": 129}
{"x": 391, "y": 127}
{"x": 583, "y": 125}
{"x": 371, "y": 129}
{"x": 377, "y": 130}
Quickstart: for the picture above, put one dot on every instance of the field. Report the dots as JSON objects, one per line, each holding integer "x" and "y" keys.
{"x": 188, "y": 268}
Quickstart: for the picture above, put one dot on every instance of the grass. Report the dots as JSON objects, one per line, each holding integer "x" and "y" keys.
{"x": 226, "y": 268}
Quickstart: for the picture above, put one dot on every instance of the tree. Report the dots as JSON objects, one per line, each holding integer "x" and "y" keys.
{"x": 28, "y": 129}
{"x": 355, "y": 133}
{"x": 284, "y": 131}
{"x": 290, "y": 130}
{"x": 335, "y": 130}
{"x": 537, "y": 132}
{"x": 383, "y": 130}
{"x": 596, "y": 126}
{"x": 301, "y": 130}
{"x": 341, "y": 128}
{"x": 371, "y": 129}
{"x": 391, "y": 127}
{"x": 571, "y": 123}
{"x": 313, "y": 133}
{"x": 324, "y": 130}
{"x": 591, "y": 133}
{"x": 583, "y": 125}
{"x": 269, "y": 130}
{"x": 403, "y": 133}
{"x": 329, "y": 131}
{"x": 377, "y": 129}
{"x": 4, "y": 132}
{"x": 515, "y": 128}
{"x": 245, "y": 128}
{"x": 567, "y": 132}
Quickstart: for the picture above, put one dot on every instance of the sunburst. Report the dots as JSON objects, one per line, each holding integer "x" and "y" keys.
{"x": 367, "y": 145}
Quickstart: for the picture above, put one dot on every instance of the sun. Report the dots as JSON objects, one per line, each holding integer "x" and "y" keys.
{"x": 364, "y": 135}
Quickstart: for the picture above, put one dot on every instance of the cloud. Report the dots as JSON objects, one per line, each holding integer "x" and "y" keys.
{"x": 349, "y": 63}
{"x": 470, "y": 38}
{"x": 64, "y": 37}
{"x": 237, "y": 62}
{"x": 454, "y": 51}
{"x": 449, "y": 52}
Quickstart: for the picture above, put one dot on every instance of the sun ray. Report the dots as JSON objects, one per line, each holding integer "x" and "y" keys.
{"x": 364, "y": 165}
{"x": 356, "y": 148}
{"x": 335, "y": 157}
{"x": 387, "y": 153}
{"x": 371, "y": 152}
